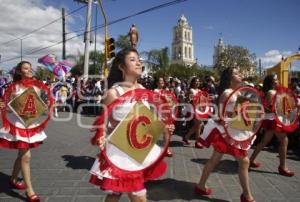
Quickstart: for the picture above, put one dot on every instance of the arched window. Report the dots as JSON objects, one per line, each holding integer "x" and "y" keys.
{"x": 185, "y": 37}
{"x": 185, "y": 52}
{"x": 189, "y": 36}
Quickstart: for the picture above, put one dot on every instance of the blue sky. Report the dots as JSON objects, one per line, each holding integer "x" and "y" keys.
{"x": 268, "y": 28}
{"x": 259, "y": 25}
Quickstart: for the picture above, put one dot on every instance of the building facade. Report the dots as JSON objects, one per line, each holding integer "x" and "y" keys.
{"x": 182, "y": 45}
{"x": 218, "y": 49}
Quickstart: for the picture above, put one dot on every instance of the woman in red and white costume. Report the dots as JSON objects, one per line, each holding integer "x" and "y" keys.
{"x": 269, "y": 88}
{"x": 124, "y": 73}
{"x": 229, "y": 81}
{"x": 196, "y": 128}
{"x": 23, "y": 144}
{"x": 160, "y": 86}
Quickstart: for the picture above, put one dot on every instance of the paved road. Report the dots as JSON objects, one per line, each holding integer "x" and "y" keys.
{"x": 60, "y": 171}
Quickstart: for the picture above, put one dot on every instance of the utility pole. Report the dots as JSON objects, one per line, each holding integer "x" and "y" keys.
{"x": 21, "y": 49}
{"x": 95, "y": 41}
{"x": 87, "y": 37}
{"x": 105, "y": 69}
{"x": 87, "y": 40}
{"x": 63, "y": 34}
{"x": 259, "y": 66}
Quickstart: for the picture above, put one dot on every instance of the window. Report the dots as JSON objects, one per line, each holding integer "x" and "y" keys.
{"x": 190, "y": 52}
{"x": 185, "y": 52}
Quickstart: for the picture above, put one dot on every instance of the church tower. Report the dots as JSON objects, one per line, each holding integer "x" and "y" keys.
{"x": 220, "y": 48}
{"x": 182, "y": 45}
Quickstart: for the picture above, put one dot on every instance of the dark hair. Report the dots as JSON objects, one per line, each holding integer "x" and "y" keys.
{"x": 18, "y": 74}
{"x": 225, "y": 80}
{"x": 268, "y": 83}
{"x": 156, "y": 80}
{"x": 115, "y": 74}
{"x": 193, "y": 82}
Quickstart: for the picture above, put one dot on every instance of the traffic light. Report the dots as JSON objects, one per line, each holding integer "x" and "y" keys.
{"x": 110, "y": 47}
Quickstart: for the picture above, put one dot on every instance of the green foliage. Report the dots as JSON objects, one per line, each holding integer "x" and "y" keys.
{"x": 96, "y": 62}
{"x": 158, "y": 58}
{"x": 253, "y": 79}
{"x": 97, "y": 59}
{"x": 184, "y": 72}
{"x": 236, "y": 56}
{"x": 123, "y": 41}
{"x": 42, "y": 73}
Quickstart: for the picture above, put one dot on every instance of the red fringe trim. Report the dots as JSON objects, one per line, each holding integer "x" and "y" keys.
{"x": 196, "y": 102}
{"x": 18, "y": 144}
{"x": 21, "y": 131}
{"x": 126, "y": 181}
{"x": 129, "y": 181}
{"x": 273, "y": 125}
{"x": 280, "y": 127}
{"x": 218, "y": 142}
{"x": 118, "y": 185}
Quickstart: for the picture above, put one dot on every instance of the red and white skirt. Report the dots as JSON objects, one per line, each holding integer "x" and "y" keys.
{"x": 120, "y": 181}
{"x": 18, "y": 141}
{"x": 270, "y": 124}
{"x": 212, "y": 135}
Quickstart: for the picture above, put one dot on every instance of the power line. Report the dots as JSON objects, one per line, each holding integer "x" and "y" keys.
{"x": 101, "y": 26}
{"x": 135, "y": 14}
{"x": 38, "y": 29}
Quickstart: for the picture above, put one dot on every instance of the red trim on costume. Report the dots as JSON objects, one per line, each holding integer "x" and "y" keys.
{"x": 28, "y": 132}
{"x": 164, "y": 112}
{"x": 281, "y": 127}
{"x": 167, "y": 94}
{"x": 207, "y": 103}
{"x": 18, "y": 144}
{"x": 230, "y": 140}
{"x": 216, "y": 139}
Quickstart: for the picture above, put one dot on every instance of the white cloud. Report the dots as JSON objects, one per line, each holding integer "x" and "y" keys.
{"x": 19, "y": 17}
{"x": 272, "y": 57}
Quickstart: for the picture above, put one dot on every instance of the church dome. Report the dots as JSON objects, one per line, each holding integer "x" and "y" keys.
{"x": 182, "y": 20}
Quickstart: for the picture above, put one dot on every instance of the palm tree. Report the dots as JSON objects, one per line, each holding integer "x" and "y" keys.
{"x": 78, "y": 60}
{"x": 158, "y": 58}
{"x": 123, "y": 42}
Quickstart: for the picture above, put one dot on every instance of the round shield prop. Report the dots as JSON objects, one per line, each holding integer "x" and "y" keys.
{"x": 286, "y": 110}
{"x": 27, "y": 107}
{"x": 134, "y": 126}
{"x": 171, "y": 100}
{"x": 243, "y": 114}
{"x": 202, "y": 105}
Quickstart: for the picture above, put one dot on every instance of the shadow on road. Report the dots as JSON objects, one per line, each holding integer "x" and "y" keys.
{"x": 79, "y": 162}
{"x": 175, "y": 143}
{"x": 225, "y": 166}
{"x": 5, "y": 188}
{"x": 172, "y": 189}
{"x": 262, "y": 171}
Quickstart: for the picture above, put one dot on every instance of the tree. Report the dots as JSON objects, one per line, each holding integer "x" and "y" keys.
{"x": 42, "y": 73}
{"x": 78, "y": 60}
{"x": 236, "y": 56}
{"x": 158, "y": 58}
{"x": 98, "y": 57}
{"x": 123, "y": 41}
